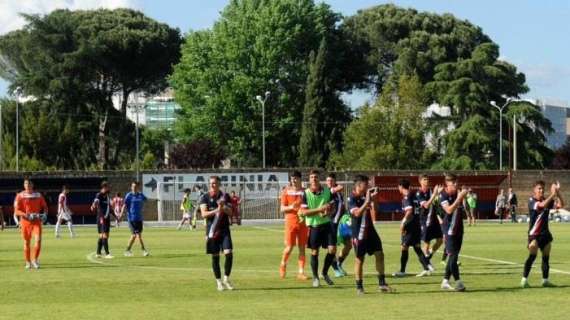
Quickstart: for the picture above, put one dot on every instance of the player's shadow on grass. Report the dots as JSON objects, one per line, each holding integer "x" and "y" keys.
{"x": 479, "y": 290}
{"x": 308, "y": 287}
{"x": 75, "y": 266}
{"x": 175, "y": 255}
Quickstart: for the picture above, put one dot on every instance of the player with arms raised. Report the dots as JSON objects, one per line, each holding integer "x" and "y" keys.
{"x": 539, "y": 236}
{"x": 451, "y": 201}
{"x": 365, "y": 239}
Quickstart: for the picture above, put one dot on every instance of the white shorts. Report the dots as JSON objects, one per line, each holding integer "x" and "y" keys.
{"x": 187, "y": 215}
{"x": 65, "y": 216}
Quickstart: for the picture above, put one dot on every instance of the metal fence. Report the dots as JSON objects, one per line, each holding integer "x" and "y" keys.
{"x": 258, "y": 200}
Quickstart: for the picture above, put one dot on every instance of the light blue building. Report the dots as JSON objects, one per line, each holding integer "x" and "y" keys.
{"x": 557, "y": 113}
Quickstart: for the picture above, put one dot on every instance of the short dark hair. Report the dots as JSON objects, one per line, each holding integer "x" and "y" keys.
{"x": 423, "y": 176}
{"x": 217, "y": 178}
{"x": 187, "y": 190}
{"x": 539, "y": 183}
{"x": 104, "y": 184}
{"x": 360, "y": 178}
{"x": 404, "y": 183}
{"x": 295, "y": 173}
{"x": 118, "y": 194}
{"x": 450, "y": 177}
{"x": 331, "y": 175}
{"x": 314, "y": 171}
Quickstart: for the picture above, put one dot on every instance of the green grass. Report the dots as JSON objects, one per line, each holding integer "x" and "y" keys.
{"x": 175, "y": 282}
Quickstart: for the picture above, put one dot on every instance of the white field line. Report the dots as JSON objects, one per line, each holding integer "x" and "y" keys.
{"x": 508, "y": 263}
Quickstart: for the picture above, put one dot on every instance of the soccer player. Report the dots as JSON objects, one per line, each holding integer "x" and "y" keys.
{"x": 102, "y": 207}
{"x": 187, "y": 211}
{"x": 316, "y": 208}
{"x": 296, "y": 231}
{"x": 451, "y": 200}
{"x": 471, "y": 206}
{"x": 512, "y": 202}
{"x": 410, "y": 229}
{"x": 539, "y": 236}
{"x": 63, "y": 213}
{"x": 430, "y": 226}
{"x": 337, "y": 213}
{"x": 117, "y": 204}
{"x": 365, "y": 239}
{"x": 501, "y": 205}
{"x": 236, "y": 214}
{"x": 30, "y": 206}
{"x": 216, "y": 209}
{"x": 134, "y": 202}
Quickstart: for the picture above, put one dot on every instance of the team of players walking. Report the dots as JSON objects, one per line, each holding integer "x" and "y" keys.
{"x": 315, "y": 218}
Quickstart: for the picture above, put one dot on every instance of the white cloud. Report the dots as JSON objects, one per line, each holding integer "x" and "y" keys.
{"x": 10, "y": 9}
{"x": 546, "y": 74}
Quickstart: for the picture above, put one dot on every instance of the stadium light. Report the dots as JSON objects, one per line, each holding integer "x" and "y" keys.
{"x": 522, "y": 120}
{"x": 262, "y": 101}
{"x": 17, "y": 94}
{"x": 137, "y": 107}
{"x": 494, "y": 104}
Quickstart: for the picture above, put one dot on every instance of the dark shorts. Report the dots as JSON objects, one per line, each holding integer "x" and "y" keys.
{"x": 543, "y": 240}
{"x": 433, "y": 231}
{"x": 136, "y": 227}
{"x": 453, "y": 244}
{"x": 321, "y": 236}
{"x": 412, "y": 237}
{"x": 219, "y": 244}
{"x": 369, "y": 246}
{"x": 334, "y": 227}
{"x": 103, "y": 225}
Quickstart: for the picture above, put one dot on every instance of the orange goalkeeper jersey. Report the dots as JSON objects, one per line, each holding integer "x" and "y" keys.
{"x": 27, "y": 202}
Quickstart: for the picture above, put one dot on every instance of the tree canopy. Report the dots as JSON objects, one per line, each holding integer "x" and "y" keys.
{"x": 75, "y": 62}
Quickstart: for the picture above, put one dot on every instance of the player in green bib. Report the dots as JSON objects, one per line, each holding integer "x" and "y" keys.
{"x": 316, "y": 208}
{"x": 186, "y": 208}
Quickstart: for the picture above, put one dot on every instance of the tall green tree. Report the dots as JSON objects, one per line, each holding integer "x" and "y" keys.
{"x": 405, "y": 41}
{"x": 255, "y": 46}
{"x": 389, "y": 134}
{"x": 467, "y": 86}
{"x": 324, "y": 116}
{"x": 77, "y": 61}
{"x": 460, "y": 68}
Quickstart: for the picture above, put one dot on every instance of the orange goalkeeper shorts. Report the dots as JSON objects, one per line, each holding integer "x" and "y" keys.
{"x": 30, "y": 229}
{"x": 295, "y": 232}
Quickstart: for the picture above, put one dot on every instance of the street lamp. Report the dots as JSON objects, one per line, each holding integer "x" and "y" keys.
{"x": 494, "y": 104}
{"x": 17, "y": 95}
{"x": 137, "y": 107}
{"x": 522, "y": 119}
{"x": 263, "y": 101}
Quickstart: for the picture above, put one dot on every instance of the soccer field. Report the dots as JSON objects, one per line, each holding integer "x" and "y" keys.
{"x": 176, "y": 281}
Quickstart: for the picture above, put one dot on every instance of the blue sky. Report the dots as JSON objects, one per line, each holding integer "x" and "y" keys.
{"x": 533, "y": 35}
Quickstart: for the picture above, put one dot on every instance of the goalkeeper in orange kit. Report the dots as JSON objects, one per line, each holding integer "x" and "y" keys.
{"x": 32, "y": 209}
